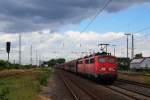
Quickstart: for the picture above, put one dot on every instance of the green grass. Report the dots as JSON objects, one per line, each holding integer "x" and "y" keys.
{"x": 23, "y": 86}
{"x": 43, "y": 78}
{"x": 135, "y": 77}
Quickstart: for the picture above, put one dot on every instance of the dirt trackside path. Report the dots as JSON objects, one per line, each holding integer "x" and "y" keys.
{"x": 55, "y": 90}
{"x": 13, "y": 72}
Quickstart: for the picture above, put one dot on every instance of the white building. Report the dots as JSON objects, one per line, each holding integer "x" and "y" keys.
{"x": 142, "y": 63}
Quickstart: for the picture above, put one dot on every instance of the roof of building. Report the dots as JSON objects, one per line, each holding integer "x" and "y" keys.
{"x": 140, "y": 60}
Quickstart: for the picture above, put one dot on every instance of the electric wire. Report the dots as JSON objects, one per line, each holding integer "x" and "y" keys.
{"x": 99, "y": 11}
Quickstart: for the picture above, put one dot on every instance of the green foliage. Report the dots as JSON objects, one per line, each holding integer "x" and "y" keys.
{"x": 123, "y": 67}
{"x": 3, "y": 64}
{"x": 24, "y": 86}
{"x": 20, "y": 88}
{"x": 4, "y": 93}
{"x": 60, "y": 60}
{"x": 123, "y": 63}
{"x": 53, "y": 62}
{"x": 44, "y": 77}
{"x": 139, "y": 56}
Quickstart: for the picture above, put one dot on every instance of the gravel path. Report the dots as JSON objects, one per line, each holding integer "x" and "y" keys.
{"x": 55, "y": 90}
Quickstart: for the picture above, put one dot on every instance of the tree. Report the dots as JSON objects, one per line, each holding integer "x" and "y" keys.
{"x": 60, "y": 60}
{"x": 53, "y": 62}
{"x": 137, "y": 56}
{"x": 3, "y": 63}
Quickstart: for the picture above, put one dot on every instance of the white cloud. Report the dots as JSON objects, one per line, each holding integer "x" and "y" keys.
{"x": 93, "y": 36}
{"x": 51, "y": 45}
{"x": 7, "y": 37}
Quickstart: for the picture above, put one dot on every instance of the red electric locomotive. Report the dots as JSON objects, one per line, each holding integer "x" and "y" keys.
{"x": 101, "y": 66}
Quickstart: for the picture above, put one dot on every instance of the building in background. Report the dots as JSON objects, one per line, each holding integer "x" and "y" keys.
{"x": 140, "y": 63}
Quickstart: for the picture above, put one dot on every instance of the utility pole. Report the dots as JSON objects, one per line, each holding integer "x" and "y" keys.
{"x": 14, "y": 61}
{"x": 39, "y": 60}
{"x": 90, "y": 51}
{"x": 36, "y": 58}
{"x": 132, "y": 50}
{"x": 127, "y": 44}
{"x": 31, "y": 55}
{"x": 19, "y": 48}
{"x": 114, "y": 49}
{"x": 81, "y": 49}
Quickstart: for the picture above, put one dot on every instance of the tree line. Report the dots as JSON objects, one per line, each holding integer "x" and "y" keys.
{"x": 53, "y": 62}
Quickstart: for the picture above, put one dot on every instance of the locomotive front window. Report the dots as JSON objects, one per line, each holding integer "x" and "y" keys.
{"x": 111, "y": 60}
{"x": 102, "y": 60}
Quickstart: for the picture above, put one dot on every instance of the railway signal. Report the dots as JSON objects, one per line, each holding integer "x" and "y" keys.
{"x": 8, "y": 47}
{"x": 8, "y": 44}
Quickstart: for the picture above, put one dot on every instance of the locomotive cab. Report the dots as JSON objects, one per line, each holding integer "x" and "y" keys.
{"x": 106, "y": 67}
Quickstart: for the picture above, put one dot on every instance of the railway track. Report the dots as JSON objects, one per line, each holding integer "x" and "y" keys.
{"x": 90, "y": 90}
{"x": 134, "y": 83}
{"x": 132, "y": 94}
{"x": 134, "y": 87}
{"x": 95, "y": 91}
{"x": 131, "y": 89}
{"x": 76, "y": 90}
{"x": 69, "y": 88}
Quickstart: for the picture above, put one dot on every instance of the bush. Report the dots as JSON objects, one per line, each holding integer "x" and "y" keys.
{"x": 4, "y": 93}
{"x": 43, "y": 78}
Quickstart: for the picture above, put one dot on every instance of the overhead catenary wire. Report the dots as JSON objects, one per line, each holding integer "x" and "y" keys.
{"x": 140, "y": 39}
{"x": 138, "y": 31}
{"x": 143, "y": 29}
{"x": 95, "y": 16}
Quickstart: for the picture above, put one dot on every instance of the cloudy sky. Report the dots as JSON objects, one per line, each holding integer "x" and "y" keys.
{"x": 56, "y": 28}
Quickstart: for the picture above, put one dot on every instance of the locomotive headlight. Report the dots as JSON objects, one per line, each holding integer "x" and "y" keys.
{"x": 111, "y": 69}
{"x": 103, "y": 69}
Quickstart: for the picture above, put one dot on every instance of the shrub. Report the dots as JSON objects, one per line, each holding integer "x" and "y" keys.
{"x": 43, "y": 78}
{"x": 4, "y": 93}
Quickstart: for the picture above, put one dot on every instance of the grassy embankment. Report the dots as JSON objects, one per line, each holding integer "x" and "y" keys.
{"x": 22, "y": 84}
{"x": 135, "y": 77}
